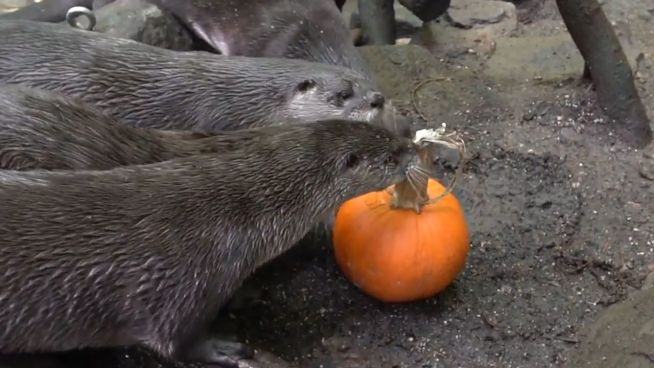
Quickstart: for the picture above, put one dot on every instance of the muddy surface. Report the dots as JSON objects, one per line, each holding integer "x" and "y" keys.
{"x": 559, "y": 213}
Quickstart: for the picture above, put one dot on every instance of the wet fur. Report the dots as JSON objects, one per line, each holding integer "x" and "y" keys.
{"x": 312, "y": 30}
{"x": 146, "y": 86}
{"x": 145, "y": 255}
{"x": 45, "y": 130}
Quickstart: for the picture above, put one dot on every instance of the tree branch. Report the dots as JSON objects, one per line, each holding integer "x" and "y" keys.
{"x": 377, "y": 21}
{"x": 608, "y": 67}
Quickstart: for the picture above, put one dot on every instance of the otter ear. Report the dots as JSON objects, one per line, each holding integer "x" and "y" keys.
{"x": 306, "y": 85}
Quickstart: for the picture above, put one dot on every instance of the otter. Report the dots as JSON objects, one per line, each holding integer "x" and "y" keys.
{"x": 312, "y": 30}
{"x": 41, "y": 129}
{"x": 145, "y": 255}
{"x": 147, "y": 86}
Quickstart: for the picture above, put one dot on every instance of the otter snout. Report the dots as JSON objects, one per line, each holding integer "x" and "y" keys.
{"x": 377, "y": 100}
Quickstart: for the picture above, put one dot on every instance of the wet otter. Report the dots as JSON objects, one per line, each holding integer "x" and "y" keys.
{"x": 147, "y": 86}
{"x": 145, "y": 255}
{"x": 312, "y": 30}
{"x": 41, "y": 129}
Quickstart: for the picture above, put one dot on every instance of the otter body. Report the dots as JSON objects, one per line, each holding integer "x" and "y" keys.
{"x": 45, "y": 130}
{"x": 146, "y": 86}
{"x": 312, "y": 30}
{"x": 145, "y": 255}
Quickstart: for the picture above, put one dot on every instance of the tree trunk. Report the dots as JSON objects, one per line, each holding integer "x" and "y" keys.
{"x": 377, "y": 21}
{"x": 608, "y": 67}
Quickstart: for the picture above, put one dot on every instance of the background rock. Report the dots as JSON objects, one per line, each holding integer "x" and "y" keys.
{"x": 622, "y": 336}
{"x": 542, "y": 58}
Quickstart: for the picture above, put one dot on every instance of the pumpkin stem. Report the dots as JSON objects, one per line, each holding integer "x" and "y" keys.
{"x": 412, "y": 192}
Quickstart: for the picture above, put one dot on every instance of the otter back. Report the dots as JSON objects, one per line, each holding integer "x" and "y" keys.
{"x": 146, "y": 86}
{"x": 45, "y": 130}
{"x": 312, "y": 30}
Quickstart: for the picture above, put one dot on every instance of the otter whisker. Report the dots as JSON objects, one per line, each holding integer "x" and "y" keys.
{"x": 421, "y": 170}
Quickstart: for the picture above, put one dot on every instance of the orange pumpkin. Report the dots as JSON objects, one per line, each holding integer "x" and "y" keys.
{"x": 398, "y": 254}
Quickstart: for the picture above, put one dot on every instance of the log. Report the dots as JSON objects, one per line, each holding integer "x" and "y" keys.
{"x": 609, "y": 69}
{"x": 377, "y": 21}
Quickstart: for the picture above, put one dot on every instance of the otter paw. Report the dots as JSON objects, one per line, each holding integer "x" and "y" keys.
{"x": 222, "y": 353}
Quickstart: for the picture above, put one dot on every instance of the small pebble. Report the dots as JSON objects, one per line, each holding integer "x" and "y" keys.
{"x": 647, "y": 169}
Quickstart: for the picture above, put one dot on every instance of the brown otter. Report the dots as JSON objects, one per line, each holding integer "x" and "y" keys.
{"x": 312, "y": 30}
{"x": 145, "y": 255}
{"x": 42, "y": 129}
{"x": 147, "y": 86}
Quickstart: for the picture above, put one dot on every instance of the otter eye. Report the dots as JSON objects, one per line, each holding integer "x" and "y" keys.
{"x": 306, "y": 85}
{"x": 351, "y": 161}
{"x": 391, "y": 159}
{"x": 344, "y": 95}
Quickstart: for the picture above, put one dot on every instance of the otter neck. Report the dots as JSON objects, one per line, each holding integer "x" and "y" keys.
{"x": 257, "y": 238}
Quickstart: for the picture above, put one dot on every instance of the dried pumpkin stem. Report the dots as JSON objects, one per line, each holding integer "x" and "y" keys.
{"x": 412, "y": 192}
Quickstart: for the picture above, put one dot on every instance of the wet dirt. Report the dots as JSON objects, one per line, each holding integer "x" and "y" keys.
{"x": 559, "y": 216}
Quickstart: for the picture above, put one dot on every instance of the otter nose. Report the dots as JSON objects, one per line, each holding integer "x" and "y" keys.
{"x": 377, "y": 100}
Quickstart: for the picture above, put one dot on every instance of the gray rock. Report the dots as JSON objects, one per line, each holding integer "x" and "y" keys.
{"x": 144, "y": 22}
{"x": 470, "y": 13}
{"x": 544, "y": 58}
{"x": 471, "y": 27}
{"x": 264, "y": 359}
{"x": 621, "y": 337}
{"x": 646, "y": 169}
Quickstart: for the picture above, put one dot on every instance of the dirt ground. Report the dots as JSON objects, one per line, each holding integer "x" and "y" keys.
{"x": 559, "y": 213}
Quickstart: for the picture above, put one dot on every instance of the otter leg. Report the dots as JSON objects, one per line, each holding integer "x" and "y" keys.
{"x": 219, "y": 352}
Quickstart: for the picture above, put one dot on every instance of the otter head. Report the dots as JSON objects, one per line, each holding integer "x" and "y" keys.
{"x": 341, "y": 94}
{"x": 368, "y": 158}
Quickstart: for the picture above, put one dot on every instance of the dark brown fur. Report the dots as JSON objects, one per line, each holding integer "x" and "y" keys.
{"x": 145, "y": 255}
{"x": 45, "y": 130}
{"x": 312, "y": 30}
{"x": 146, "y": 86}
